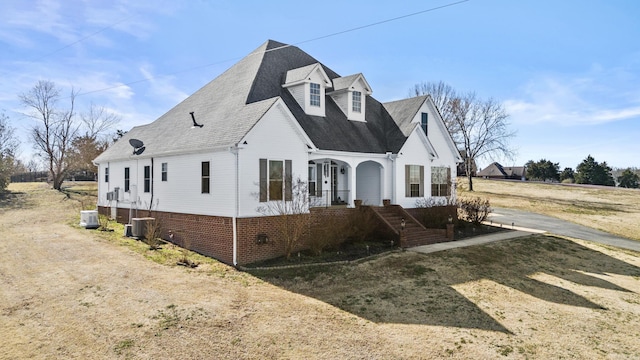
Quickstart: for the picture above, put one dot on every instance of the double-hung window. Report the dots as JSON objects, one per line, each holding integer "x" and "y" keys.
{"x": 312, "y": 179}
{"x": 275, "y": 180}
{"x": 356, "y": 103}
{"x": 147, "y": 179}
{"x": 164, "y": 171}
{"x": 314, "y": 94}
{"x": 126, "y": 179}
{"x": 106, "y": 174}
{"x": 440, "y": 181}
{"x": 206, "y": 177}
{"x": 414, "y": 180}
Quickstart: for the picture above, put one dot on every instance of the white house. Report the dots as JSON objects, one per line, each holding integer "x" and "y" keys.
{"x": 208, "y": 163}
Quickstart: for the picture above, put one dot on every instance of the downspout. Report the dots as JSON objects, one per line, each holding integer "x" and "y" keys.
{"x": 236, "y": 151}
{"x": 151, "y": 204}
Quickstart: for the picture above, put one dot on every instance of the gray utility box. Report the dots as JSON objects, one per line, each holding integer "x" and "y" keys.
{"x": 139, "y": 226}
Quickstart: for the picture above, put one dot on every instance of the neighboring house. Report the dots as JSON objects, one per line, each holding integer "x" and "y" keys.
{"x": 278, "y": 114}
{"x": 497, "y": 171}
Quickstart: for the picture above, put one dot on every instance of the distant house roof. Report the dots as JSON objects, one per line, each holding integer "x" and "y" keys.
{"x": 495, "y": 170}
{"x": 230, "y": 105}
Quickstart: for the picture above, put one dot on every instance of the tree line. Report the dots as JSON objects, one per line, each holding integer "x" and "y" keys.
{"x": 589, "y": 171}
{"x": 65, "y": 141}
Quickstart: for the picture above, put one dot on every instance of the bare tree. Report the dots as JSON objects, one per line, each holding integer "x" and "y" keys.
{"x": 53, "y": 135}
{"x": 478, "y": 127}
{"x": 98, "y": 120}
{"x": 290, "y": 215}
{"x": 484, "y": 130}
{"x": 442, "y": 94}
{"x": 8, "y": 148}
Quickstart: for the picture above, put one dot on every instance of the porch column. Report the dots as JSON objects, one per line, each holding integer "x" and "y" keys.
{"x": 352, "y": 184}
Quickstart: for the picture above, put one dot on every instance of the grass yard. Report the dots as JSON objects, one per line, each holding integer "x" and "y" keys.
{"x": 71, "y": 293}
{"x": 614, "y": 210}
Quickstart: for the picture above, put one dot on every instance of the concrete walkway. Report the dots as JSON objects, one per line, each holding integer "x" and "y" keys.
{"x": 476, "y": 240}
{"x": 525, "y": 223}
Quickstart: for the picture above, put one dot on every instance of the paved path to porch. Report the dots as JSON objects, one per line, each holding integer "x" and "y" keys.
{"x": 476, "y": 240}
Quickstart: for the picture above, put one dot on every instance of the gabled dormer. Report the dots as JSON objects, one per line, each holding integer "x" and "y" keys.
{"x": 308, "y": 86}
{"x": 350, "y": 93}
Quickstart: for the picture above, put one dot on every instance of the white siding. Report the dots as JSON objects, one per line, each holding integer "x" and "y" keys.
{"x": 439, "y": 138}
{"x": 274, "y": 137}
{"x": 414, "y": 152}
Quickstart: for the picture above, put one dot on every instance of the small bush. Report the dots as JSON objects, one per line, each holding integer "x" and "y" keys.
{"x": 474, "y": 210}
{"x": 434, "y": 214}
{"x": 103, "y": 221}
{"x": 152, "y": 234}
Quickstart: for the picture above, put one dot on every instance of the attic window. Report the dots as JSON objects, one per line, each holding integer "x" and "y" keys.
{"x": 314, "y": 94}
{"x": 424, "y": 122}
{"x": 356, "y": 101}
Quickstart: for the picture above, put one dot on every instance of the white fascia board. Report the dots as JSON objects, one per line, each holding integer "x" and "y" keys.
{"x": 220, "y": 148}
{"x": 321, "y": 154}
{"x": 298, "y": 129}
{"x": 367, "y": 87}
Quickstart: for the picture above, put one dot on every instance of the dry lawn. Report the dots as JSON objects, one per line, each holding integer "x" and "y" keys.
{"x": 613, "y": 210}
{"x": 72, "y": 293}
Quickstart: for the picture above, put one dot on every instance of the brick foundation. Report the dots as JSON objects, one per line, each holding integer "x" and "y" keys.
{"x": 213, "y": 235}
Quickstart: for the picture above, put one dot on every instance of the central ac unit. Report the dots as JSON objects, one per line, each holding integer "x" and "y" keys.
{"x": 139, "y": 226}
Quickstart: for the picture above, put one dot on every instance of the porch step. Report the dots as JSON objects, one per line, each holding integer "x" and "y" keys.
{"x": 415, "y": 234}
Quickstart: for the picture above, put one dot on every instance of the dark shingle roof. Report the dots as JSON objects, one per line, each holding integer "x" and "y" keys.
{"x": 231, "y": 104}
{"x": 378, "y": 134}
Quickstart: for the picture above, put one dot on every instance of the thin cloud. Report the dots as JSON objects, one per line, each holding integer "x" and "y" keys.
{"x": 588, "y": 99}
{"x": 162, "y": 86}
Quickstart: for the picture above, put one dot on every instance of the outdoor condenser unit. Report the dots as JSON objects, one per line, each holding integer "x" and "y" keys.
{"x": 139, "y": 226}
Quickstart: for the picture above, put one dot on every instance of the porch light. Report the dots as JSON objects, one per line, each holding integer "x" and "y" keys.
{"x": 342, "y": 170}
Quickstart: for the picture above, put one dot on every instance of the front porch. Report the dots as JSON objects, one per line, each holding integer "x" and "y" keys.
{"x": 335, "y": 182}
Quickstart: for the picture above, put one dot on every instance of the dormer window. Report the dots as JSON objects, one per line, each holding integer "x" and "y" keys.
{"x": 356, "y": 101}
{"x": 349, "y": 93}
{"x": 314, "y": 94}
{"x": 308, "y": 86}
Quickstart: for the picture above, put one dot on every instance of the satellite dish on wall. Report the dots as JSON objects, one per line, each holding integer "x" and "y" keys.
{"x": 138, "y": 146}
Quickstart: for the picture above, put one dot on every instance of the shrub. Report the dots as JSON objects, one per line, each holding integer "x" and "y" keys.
{"x": 103, "y": 221}
{"x": 152, "y": 233}
{"x": 475, "y": 209}
{"x": 327, "y": 233}
{"x": 434, "y": 213}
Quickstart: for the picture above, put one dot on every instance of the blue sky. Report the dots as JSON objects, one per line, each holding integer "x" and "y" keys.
{"x": 568, "y": 72}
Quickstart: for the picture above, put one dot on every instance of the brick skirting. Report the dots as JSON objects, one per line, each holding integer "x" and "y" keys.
{"x": 213, "y": 235}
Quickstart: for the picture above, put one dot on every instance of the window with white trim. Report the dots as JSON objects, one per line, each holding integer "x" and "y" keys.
{"x": 356, "y": 103}
{"x": 424, "y": 123}
{"x": 275, "y": 180}
{"x": 312, "y": 179}
{"x": 106, "y": 174}
{"x": 164, "y": 168}
{"x": 314, "y": 94}
{"x": 147, "y": 179}
{"x": 414, "y": 180}
{"x": 126, "y": 179}
{"x": 205, "y": 187}
{"x": 440, "y": 181}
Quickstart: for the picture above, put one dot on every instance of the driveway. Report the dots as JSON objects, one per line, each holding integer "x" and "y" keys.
{"x": 553, "y": 225}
